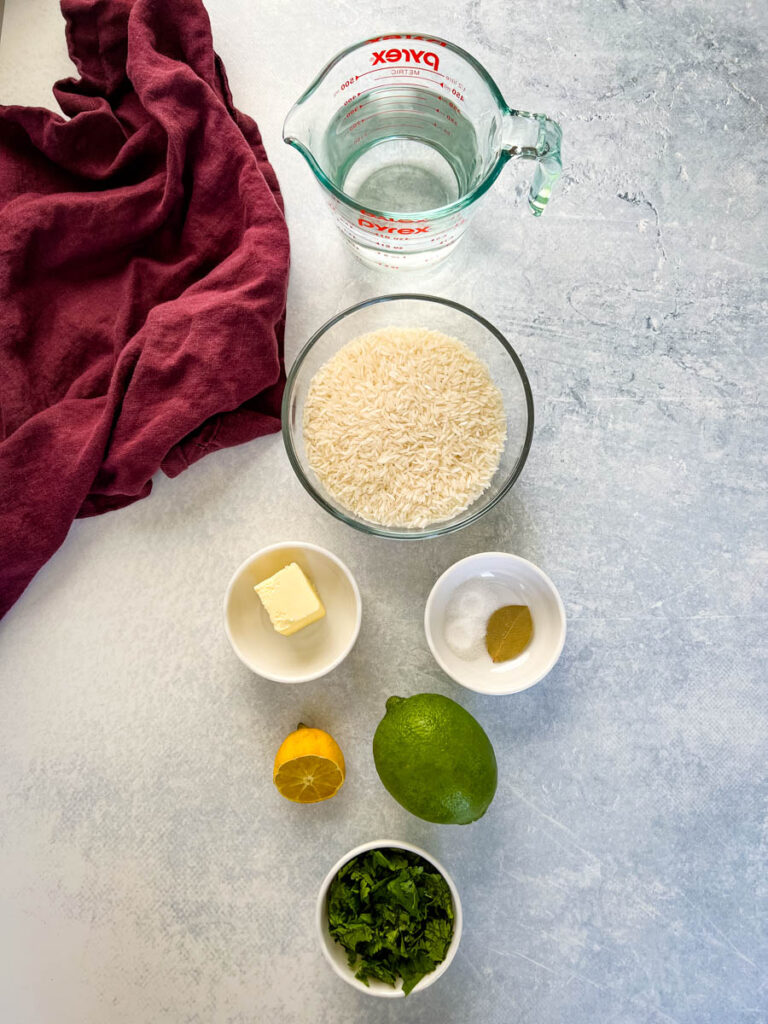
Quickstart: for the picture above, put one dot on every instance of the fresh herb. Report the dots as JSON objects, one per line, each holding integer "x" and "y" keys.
{"x": 393, "y": 913}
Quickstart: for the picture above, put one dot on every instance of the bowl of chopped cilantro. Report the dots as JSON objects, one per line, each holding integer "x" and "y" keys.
{"x": 389, "y": 918}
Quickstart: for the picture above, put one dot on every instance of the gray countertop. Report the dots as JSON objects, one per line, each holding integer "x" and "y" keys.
{"x": 148, "y": 869}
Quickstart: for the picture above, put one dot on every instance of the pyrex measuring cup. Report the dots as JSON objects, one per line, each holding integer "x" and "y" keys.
{"x": 405, "y": 133}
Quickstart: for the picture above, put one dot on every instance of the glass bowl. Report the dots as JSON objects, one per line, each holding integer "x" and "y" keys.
{"x": 434, "y": 314}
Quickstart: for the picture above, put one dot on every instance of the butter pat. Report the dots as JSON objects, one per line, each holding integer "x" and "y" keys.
{"x": 290, "y": 600}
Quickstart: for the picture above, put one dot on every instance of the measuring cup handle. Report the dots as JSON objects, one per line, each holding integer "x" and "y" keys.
{"x": 536, "y": 137}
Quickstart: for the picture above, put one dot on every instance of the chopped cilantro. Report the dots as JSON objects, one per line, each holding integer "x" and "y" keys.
{"x": 393, "y": 914}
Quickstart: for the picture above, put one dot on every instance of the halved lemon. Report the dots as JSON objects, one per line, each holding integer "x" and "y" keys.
{"x": 309, "y": 766}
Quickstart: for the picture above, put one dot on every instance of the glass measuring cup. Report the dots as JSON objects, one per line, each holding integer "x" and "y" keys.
{"x": 405, "y": 133}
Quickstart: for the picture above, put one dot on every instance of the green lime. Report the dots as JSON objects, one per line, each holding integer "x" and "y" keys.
{"x": 435, "y": 759}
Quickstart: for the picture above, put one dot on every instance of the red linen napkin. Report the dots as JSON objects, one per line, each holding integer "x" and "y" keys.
{"x": 143, "y": 272}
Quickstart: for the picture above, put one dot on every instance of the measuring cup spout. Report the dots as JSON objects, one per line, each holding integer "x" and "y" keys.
{"x": 535, "y": 137}
{"x": 297, "y": 127}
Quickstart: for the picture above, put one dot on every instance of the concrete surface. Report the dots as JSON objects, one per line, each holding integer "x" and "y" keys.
{"x": 148, "y": 869}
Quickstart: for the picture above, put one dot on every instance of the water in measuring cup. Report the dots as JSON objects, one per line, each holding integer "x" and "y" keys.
{"x": 402, "y": 148}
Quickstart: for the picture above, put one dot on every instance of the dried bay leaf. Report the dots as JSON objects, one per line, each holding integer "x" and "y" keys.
{"x": 509, "y": 632}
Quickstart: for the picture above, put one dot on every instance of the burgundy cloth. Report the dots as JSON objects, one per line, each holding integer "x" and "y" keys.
{"x": 143, "y": 272}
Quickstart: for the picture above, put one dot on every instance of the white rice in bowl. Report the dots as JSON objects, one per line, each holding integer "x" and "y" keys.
{"x": 404, "y": 427}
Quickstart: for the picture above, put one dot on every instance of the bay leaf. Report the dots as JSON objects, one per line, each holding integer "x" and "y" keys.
{"x": 509, "y": 632}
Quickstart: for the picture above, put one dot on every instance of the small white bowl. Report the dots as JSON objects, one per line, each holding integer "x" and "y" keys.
{"x": 336, "y": 955}
{"x": 313, "y": 651}
{"x": 517, "y": 581}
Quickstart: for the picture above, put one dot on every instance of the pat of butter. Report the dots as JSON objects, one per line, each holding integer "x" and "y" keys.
{"x": 290, "y": 600}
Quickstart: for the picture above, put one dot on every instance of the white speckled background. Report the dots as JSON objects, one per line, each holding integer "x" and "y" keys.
{"x": 148, "y": 869}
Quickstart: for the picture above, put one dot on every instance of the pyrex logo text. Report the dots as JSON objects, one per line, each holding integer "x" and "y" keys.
{"x": 429, "y": 57}
{"x": 388, "y": 230}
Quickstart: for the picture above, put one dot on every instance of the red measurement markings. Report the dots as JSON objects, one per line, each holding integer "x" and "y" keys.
{"x": 415, "y": 107}
{"x": 393, "y": 94}
{"x": 416, "y": 72}
{"x": 436, "y": 97}
{"x": 379, "y": 118}
{"x": 406, "y": 74}
{"x": 396, "y": 120}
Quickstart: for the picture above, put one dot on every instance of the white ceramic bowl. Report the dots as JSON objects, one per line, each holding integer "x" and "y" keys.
{"x": 314, "y": 650}
{"x": 336, "y": 955}
{"x": 516, "y": 581}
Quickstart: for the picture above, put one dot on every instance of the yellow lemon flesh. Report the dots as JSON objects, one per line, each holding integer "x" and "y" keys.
{"x": 309, "y": 766}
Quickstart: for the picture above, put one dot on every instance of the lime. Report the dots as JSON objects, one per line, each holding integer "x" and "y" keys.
{"x": 435, "y": 759}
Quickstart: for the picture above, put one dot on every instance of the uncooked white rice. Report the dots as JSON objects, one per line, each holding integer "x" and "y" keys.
{"x": 404, "y": 427}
